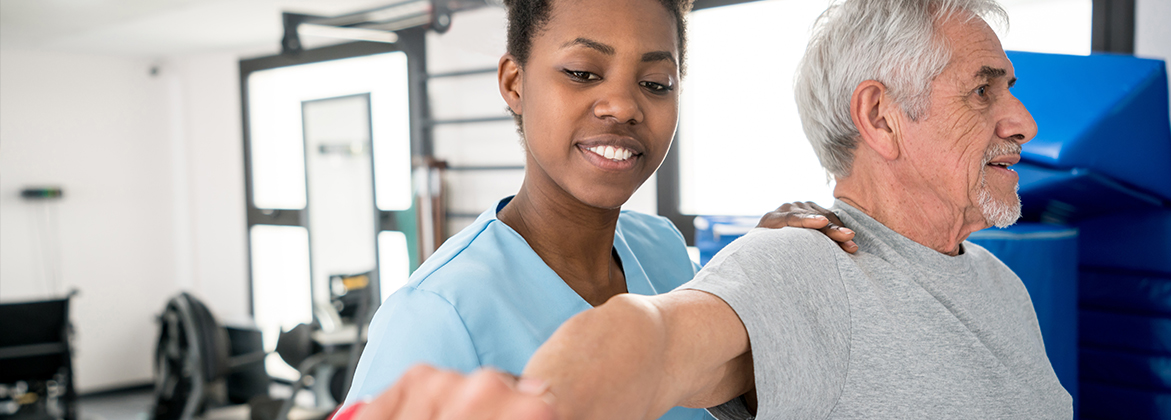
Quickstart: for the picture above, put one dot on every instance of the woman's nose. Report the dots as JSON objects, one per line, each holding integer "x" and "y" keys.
{"x": 620, "y": 104}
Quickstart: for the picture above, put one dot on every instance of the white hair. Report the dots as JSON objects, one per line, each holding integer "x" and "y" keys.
{"x": 894, "y": 42}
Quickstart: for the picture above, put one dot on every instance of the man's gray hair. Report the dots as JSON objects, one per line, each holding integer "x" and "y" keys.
{"x": 894, "y": 42}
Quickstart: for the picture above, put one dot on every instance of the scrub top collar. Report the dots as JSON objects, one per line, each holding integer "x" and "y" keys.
{"x": 637, "y": 281}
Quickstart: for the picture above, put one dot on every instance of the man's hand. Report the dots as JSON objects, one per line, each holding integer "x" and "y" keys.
{"x": 809, "y": 215}
{"x": 425, "y": 392}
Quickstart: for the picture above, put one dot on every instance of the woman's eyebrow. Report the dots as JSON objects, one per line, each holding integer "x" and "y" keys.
{"x": 659, "y": 56}
{"x": 591, "y": 44}
{"x": 608, "y": 50}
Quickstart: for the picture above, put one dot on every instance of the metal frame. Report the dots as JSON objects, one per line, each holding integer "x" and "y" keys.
{"x": 411, "y": 42}
{"x": 1113, "y": 26}
{"x": 379, "y": 221}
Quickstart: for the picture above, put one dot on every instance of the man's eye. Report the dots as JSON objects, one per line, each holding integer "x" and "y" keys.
{"x": 982, "y": 91}
{"x": 582, "y": 75}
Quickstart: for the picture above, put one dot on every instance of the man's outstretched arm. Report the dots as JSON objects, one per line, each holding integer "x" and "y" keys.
{"x": 638, "y": 356}
{"x": 634, "y": 357}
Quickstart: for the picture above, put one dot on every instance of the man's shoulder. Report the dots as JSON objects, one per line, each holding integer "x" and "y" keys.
{"x": 788, "y": 252}
{"x": 785, "y": 242}
{"x": 987, "y": 262}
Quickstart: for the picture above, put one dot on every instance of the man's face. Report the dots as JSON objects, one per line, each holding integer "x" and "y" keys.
{"x": 972, "y": 131}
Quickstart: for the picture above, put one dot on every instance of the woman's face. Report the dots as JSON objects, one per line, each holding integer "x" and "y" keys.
{"x": 599, "y": 98}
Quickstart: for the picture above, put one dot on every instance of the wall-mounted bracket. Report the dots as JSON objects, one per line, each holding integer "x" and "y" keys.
{"x": 375, "y": 25}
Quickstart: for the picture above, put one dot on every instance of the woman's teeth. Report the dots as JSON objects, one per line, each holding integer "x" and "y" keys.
{"x": 613, "y": 153}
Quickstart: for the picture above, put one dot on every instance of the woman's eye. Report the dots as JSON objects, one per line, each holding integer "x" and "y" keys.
{"x": 655, "y": 87}
{"x": 582, "y": 75}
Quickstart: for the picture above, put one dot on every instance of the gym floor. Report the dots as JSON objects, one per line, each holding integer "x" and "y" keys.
{"x": 126, "y": 404}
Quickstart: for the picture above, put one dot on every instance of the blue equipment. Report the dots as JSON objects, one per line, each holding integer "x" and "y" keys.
{"x": 1101, "y": 163}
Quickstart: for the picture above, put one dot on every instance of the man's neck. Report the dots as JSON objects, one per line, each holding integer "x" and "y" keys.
{"x": 916, "y": 213}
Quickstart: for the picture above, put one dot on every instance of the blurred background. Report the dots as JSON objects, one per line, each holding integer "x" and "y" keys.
{"x": 289, "y": 162}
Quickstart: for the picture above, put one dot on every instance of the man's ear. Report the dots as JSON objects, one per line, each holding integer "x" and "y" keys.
{"x": 508, "y": 75}
{"x": 871, "y": 108}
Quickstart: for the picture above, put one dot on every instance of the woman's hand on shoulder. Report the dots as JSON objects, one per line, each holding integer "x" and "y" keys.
{"x": 809, "y": 215}
{"x": 425, "y": 392}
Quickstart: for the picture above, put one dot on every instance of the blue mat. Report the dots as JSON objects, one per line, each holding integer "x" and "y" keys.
{"x": 1132, "y": 240}
{"x": 1125, "y": 369}
{"x": 1065, "y": 196}
{"x": 1086, "y": 115}
{"x": 713, "y": 233}
{"x": 1137, "y": 293}
{"x": 1114, "y": 331}
{"x": 1103, "y": 401}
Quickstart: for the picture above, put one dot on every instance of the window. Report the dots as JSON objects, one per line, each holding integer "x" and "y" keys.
{"x": 329, "y": 163}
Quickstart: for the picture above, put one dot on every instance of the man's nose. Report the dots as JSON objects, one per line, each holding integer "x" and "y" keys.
{"x": 619, "y": 103}
{"x": 1016, "y": 124}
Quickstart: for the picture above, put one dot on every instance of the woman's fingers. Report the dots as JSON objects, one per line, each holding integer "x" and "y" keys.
{"x": 843, "y": 236}
{"x": 809, "y": 215}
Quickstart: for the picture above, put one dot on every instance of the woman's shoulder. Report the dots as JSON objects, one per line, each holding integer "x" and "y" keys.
{"x": 469, "y": 260}
{"x": 648, "y": 225}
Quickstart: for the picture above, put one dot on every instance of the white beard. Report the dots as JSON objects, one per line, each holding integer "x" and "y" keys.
{"x": 1001, "y": 214}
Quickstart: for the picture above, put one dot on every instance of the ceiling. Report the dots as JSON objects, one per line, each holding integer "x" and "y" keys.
{"x": 156, "y": 28}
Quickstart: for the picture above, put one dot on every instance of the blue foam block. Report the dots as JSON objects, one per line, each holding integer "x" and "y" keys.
{"x": 1045, "y": 258}
{"x": 1106, "y": 113}
{"x": 1103, "y": 401}
{"x": 1113, "y": 291}
{"x": 1124, "y": 332}
{"x": 1125, "y": 369}
{"x": 713, "y": 233}
{"x": 1135, "y": 240}
{"x": 1065, "y": 196}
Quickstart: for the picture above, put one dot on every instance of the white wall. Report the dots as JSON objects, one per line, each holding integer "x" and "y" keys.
{"x": 212, "y": 150}
{"x": 152, "y": 172}
{"x": 97, "y": 127}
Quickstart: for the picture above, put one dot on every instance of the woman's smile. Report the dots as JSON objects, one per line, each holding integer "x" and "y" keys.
{"x": 612, "y": 152}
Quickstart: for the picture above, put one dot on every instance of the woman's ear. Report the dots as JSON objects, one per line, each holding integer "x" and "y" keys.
{"x": 508, "y": 75}
{"x": 871, "y": 109}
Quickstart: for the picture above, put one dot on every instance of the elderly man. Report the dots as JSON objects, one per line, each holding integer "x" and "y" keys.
{"x": 907, "y": 103}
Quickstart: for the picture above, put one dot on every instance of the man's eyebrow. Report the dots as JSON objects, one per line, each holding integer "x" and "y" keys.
{"x": 989, "y": 73}
{"x": 591, "y": 44}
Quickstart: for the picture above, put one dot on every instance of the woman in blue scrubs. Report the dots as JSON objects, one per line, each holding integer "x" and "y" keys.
{"x": 594, "y": 87}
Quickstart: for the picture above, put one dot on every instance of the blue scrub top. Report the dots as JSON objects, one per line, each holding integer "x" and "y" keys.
{"x": 485, "y": 298}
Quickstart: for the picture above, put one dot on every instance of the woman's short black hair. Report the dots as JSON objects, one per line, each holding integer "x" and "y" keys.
{"x": 527, "y": 17}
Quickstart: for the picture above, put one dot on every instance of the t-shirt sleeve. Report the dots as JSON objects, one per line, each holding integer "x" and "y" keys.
{"x": 785, "y": 287}
{"x": 412, "y": 326}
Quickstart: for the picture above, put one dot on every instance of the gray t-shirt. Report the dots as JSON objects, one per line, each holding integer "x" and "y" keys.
{"x": 897, "y": 330}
